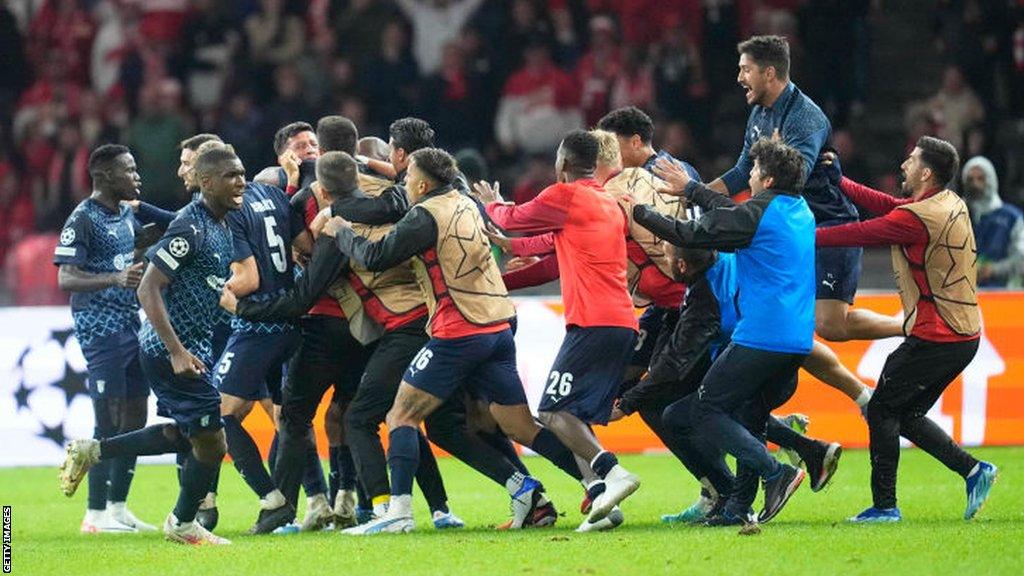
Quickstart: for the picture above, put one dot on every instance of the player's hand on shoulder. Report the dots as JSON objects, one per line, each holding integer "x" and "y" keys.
{"x": 131, "y": 276}
{"x": 185, "y": 363}
{"x": 674, "y": 177}
{"x": 333, "y": 225}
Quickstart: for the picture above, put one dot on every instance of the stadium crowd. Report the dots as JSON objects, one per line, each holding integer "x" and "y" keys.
{"x": 501, "y": 79}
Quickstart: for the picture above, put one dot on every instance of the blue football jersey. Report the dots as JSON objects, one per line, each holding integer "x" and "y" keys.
{"x": 101, "y": 242}
{"x": 264, "y": 228}
{"x": 195, "y": 253}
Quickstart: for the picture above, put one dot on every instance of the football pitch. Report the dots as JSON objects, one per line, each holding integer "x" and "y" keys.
{"x": 809, "y": 537}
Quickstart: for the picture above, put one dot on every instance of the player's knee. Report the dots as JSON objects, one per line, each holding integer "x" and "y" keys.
{"x": 133, "y": 414}
{"x": 832, "y": 331}
{"x": 333, "y": 423}
{"x": 546, "y": 418}
{"x": 211, "y": 447}
{"x": 677, "y": 415}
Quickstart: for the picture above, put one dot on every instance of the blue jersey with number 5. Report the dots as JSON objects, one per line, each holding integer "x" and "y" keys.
{"x": 264, "y": 229}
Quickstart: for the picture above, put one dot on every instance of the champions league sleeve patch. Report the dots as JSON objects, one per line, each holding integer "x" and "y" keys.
{"x": 67, "y": 236}
{"x": 178, "y": 247}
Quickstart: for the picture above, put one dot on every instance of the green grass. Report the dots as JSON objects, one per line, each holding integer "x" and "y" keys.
{"x": 809, "y": 537}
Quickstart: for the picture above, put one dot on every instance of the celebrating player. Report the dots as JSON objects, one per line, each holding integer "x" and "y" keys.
{"x": 935, "y": 265}
{"x": 96, "y": 260}
{"x": 179, "y": 293}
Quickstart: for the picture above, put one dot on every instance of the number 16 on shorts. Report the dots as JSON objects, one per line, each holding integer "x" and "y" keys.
{"x": 559, "y": 385}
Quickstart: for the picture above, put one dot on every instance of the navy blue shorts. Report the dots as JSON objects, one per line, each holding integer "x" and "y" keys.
{"x": 652, "y": 322}
{"x": 252, "y": 364}
{"x": 587, "y": 371}
{"x": 837, "y": 271}
{"x": 114, "y": 369}
{"x": 193, "y": 403}
{"x": 484, "y": 363}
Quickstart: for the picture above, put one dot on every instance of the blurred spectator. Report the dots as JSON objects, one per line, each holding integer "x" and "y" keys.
{"x": 387, "y": 81}
{"x": 537, "y": 176}
{"x": 598, "y": 69}
{"x": 13, "y": 66}
{"x": 32, "y": 283}
{"x": 276, "y": 35}
{"x": 998, "y": 227}
{"x": 451, "y": 101}
{"x": 67, "y": 179}
{"x": 830, "y": 31}
{"x": 290, "y": 103}
{"x": 634, "y": 86}
{"x": 434, "y": 24}
{"x": 153, "y": 137}
{"x": 527, "y": 24}
{"x": 210, "y": 45}
{"x": 677, "y": 139}
{"x": 110, "y": 45}
{"x": 849, "y": 155}
{"x": 63, "y": 28}
{"x": 955, "y": 109}
{"x": 358, "y": 28}
{"x": 15, "y": 205}
{"x": 539, "y": 104}
{"x": 679, "y": 78}
{"x": 242, "y": 125}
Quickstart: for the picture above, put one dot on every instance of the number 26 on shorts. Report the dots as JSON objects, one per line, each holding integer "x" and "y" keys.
{"x": 559, "y": 384}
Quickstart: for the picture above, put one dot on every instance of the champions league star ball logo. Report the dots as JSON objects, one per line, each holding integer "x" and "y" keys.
{"x": 178, "y": 247}
{"x": 67, "y": 236}
{"x": 50, "y": 387}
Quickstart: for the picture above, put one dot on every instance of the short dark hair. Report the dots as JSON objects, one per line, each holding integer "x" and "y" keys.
{"x": 337, "y": 134}
{"x": 411, "y": 134}
{"x": 697, "y": 260}
{"x": 941, "y": 157}
{"x": 767, "y": 51}
{"x": 579, "y": 151}
{"x": 101, "y": 158}
{"x": 211, "y": 159}
{"x": 437, "y": 165}
{"x": 194, "y": 142}
{"x": 628, "y": 121}
{"x": 286, "y": 132}
{"x": 337, "y": 172}
{"x": 780, "y": 162}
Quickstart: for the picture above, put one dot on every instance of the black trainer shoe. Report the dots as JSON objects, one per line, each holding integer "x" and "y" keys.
{"x": 822, "y": 466}
{"x": 270, "y": 520}
{"x": 778, "y": 489}
{"x": 723, "y": 517}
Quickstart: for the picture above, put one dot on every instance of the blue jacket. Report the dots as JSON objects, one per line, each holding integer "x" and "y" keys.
{"x": 773, "y": 237}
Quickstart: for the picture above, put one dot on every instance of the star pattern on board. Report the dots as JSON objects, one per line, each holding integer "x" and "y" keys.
{"x": 54, "y": 433}
{"x": 72, "y": 384}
